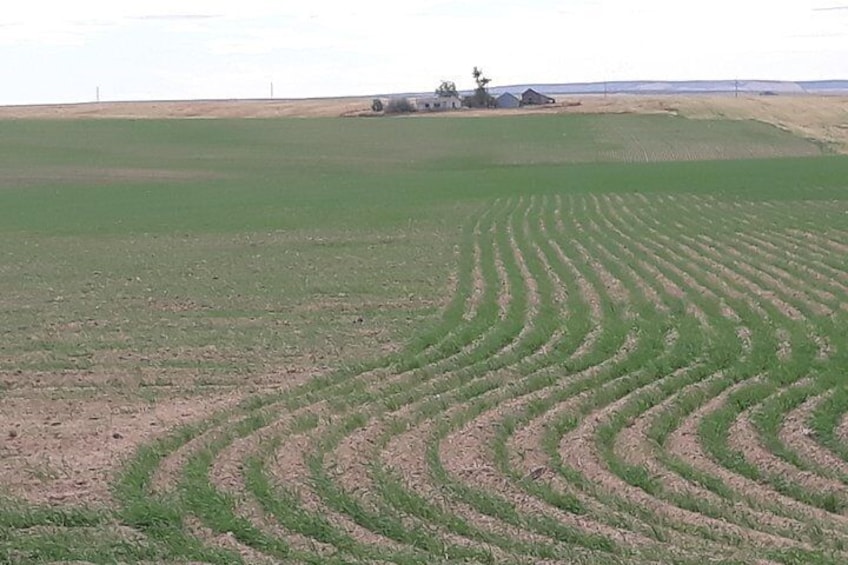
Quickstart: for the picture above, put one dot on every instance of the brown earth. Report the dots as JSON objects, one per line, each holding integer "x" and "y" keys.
{"x": 64, "y": 448}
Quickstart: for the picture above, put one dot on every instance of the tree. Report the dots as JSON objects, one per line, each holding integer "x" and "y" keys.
{"x": 447, "y": 89}
{"x": 400, "y": 106}
{"x": 377, "y": 105}
{"x": 481, "y": 97}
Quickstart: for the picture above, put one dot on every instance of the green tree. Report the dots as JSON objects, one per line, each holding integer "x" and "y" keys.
{"x": 447, "y": 89}
{"x": 481, "y": 97}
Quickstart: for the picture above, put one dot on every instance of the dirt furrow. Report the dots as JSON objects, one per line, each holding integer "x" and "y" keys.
{"x": 478, "y": 284}
{"x": 823, "y": 239}
{"x": 796, "y": 434}
{"x": 797, "y": 284}
{"x": 745, "y": 439}
{"x": 634, "y": 446}
{"x": 579, "y": 450}
{"x": 799, "y": 257}
{"x": 684, "y": 275}
{"x": 684, "y": 443}
{"x": 692, "y": 265}
{"x": 769, "y": 295}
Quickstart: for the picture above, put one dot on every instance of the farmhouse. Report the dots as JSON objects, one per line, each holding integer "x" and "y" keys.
{"x": 532, "y": 98}
{"x": 507, "y": 100}
{"x": 437, "y": 103}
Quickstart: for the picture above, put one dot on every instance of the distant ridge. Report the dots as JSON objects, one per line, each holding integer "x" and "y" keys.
{"x": 684, "y": 87}
{"x": 762, "y": 87}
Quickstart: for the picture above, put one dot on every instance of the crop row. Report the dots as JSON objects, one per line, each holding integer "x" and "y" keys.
{"x": 617, "y": 379}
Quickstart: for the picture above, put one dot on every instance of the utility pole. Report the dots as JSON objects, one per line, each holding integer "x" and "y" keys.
{"x": 98, "y": 94}
{"x": 272, "y": 89}
{"x": 736, "y": 88}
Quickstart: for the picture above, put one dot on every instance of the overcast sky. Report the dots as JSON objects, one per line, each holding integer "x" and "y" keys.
{"x": 61, "y": 51}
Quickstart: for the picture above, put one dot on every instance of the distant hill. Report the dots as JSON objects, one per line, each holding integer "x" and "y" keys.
{"x": 683, "y": 87}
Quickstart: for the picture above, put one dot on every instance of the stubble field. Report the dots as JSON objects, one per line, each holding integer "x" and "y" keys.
{"x": 527, "y": 339}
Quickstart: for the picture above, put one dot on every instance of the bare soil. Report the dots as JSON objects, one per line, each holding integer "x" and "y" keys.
{"x": 62, "y": 448}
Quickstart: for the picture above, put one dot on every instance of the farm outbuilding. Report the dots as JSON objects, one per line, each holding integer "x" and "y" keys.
{"x": 507, "y": 100}
{"x": 532, "y": 98}
{"x": 437, "y": 103}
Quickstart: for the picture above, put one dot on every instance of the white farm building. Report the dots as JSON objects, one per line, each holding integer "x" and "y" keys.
{"x": 437, "y": 103}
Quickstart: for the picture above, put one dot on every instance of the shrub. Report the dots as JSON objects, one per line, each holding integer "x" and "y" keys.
{"x": 400, "y": 106}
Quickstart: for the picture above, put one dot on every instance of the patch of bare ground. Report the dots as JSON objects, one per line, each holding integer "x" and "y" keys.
{"x": 683, "y": 443}
{"x": 796, "y": 434}
{"x": 744, "y": 335}
{"x": 744, "y": 439}
{"x": 227, "y": 541}
{"x": 289, "y": 470}
{"x": 65, "y": 450}
{"x": 524, "y": 447}
{"x": 227, "y": 475}
{"x": 109, "y": 531}
{"x": 842, "y": 430}
{"x": 404, "y": 454}
{"x": 784, "y": 344}
{"x": 168, "y": 472}
{"x": 467, "y": 457}
{"x": 634, "y": 447}
{"x": 579, "y": 451}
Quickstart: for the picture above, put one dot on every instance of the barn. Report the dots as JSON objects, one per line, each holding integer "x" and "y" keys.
{"x": 507, "y": 100}
{"x": 532, "y": 98}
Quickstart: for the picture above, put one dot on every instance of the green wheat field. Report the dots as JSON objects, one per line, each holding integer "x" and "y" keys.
{"x": 528, "y": 339}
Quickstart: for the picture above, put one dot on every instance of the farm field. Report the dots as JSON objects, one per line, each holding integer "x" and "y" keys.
{"x": 526, "y": 339}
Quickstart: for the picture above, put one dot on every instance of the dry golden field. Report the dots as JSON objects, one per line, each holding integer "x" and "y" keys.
{"x": 822, "y": 118}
